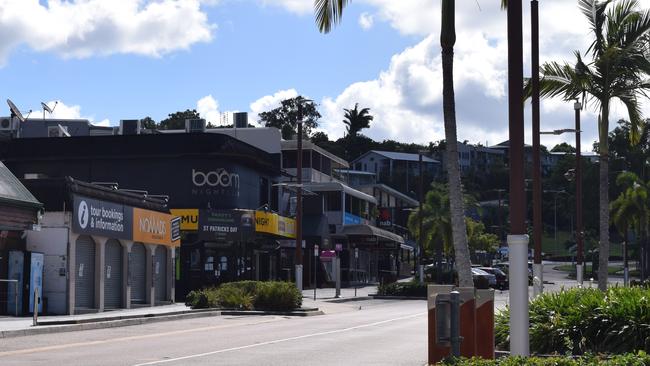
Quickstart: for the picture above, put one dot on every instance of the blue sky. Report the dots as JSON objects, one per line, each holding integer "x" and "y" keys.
{"x": 107, "y": 61}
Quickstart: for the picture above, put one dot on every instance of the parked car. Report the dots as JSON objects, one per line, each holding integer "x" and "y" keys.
{"x": 482, "y": 278}
{"x": 501, "y": 278}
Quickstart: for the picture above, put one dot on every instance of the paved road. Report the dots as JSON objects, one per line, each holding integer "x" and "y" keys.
{"x": 372, "y": 332}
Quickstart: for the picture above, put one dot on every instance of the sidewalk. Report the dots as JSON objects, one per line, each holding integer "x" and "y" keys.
{"x": 17, "y": 326}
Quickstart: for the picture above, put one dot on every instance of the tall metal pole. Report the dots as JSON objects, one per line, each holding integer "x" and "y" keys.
{"x": 421, "y": 237}
{"x": 517, "y": 240}
{"x": 579, "y": 234}
{"x": 298, "y": 258}
{"x": 538, "y": 269}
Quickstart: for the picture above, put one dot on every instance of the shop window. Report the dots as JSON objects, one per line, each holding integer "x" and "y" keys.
{"x": 195, "y": 260}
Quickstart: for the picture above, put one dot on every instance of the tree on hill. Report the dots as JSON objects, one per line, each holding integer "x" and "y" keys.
{"x": 176, "y": 120}
{"x": 286, "y": 117}
{"x": 148, "y": 123}
{"x": 356, "y": 120}
{"x": 564, "y": 147}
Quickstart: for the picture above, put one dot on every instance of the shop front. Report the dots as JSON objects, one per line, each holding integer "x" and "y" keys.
{"x": 221, "y": 246}
{"x": 19, "y": 213}
{"x": 105, "y": 253}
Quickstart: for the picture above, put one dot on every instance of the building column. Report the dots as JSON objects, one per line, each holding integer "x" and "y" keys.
{"x": 171, "y": 270}
{"x": 126, "y": 271}
{"x": 72, "y": 274}
{"x": 100, "y": 275}
{"x": 149, "y": 275}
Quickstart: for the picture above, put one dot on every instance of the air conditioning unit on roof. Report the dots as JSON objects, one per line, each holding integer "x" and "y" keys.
{"x": 195, "y": 125}
{"x": 8, "y": 124}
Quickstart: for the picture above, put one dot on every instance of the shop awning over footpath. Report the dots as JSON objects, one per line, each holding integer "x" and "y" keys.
{"x": 371, "y": 231}
{"x": 18, "y": 207}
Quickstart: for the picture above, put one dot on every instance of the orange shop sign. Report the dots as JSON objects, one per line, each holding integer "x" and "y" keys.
{"x": 153, "y": 227}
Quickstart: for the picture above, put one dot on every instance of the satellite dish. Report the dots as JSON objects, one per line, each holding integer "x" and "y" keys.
{"x": 46, "y": 108}
{"x": 15, "y": 111}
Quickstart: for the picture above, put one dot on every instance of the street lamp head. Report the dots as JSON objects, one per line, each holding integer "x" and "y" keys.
{"x": 577, "y": 105}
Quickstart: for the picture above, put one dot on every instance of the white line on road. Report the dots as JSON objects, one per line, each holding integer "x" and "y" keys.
{"x": 279, "y": 341}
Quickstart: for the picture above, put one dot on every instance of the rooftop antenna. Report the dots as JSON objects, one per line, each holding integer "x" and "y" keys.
{"x": 15, "y": 112}
{"x": 48, "y": 109}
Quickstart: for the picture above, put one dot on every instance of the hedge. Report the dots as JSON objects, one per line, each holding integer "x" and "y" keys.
{"x": 639, "y": 359}
{"x": 578, "y": 321}
{"x": 410, "y": 289}
{"x": 247, "y": 295}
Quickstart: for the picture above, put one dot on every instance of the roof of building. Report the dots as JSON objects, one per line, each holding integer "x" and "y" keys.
{"x": 505, "y": 145}
{"x": 394, "y": 192}
{"x": 13, "y": 192}
{"x": 308, "y": 145}
{"x": 337, "y": 186}
{"x": 399, "y": 156}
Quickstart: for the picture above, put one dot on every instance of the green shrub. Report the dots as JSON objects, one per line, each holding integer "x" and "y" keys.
{"x": 640, "y": 359}
{"x": 234, "y": 297}
{"x": 202, "y": 299}
{"x": 279, "y": 296}
{"x": 247, "y": 295}
{"x": 579, "y": 321}
{"x": 411, "y": 289}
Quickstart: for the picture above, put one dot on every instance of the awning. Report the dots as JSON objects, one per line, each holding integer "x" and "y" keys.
{"x": 367, "y": 230}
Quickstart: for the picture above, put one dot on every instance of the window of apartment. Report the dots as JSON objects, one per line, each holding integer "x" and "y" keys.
{"x": 264, "y": 191}
{"x": 289, "y": 158}
{"x": 315, "y": 160}
{"x": 348, "y": 203}
{"x": 332, "y": 201}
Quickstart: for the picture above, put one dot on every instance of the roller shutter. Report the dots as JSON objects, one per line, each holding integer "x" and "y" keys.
{"x": 160, "y": 273}
{"x": 138, "y": 269}
{"x": 85, "y": 272}
{"x": 113, "y": 275}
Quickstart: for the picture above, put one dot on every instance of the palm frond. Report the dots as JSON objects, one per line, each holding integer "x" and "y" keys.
{"x": 594, "y": 10}
{"x": 634, "y": 110}
{"x": 328, "y": 13}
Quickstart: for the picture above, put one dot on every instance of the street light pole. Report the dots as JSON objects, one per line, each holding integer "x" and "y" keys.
{"x": 420, "y": 236}
{"x": 579, "y": 234}
{"x": 298, "y": 258}
{"x": 538, "y": 269}
{"x": 517, "y": 240}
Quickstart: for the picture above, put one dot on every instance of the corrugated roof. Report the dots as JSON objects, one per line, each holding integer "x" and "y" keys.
{"x": 14, "y": 192}
{"x": 404, "y": 156}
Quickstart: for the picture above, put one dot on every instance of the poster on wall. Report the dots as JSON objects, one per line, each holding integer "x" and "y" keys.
{"x": 226, "y": 225}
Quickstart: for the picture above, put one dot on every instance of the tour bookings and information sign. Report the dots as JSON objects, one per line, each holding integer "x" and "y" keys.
{"x": 112, "y": 220}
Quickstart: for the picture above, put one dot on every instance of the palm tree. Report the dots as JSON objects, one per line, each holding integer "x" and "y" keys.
{"x": 328, "y": 13}
{"x": 630, "y": 210}
{"x": 356, "y": 120}
{"x": 617, "y": 71}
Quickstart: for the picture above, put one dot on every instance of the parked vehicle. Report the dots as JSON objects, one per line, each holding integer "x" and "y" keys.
{"x": 501, "y": 278}
{"x": 479, "y": 276}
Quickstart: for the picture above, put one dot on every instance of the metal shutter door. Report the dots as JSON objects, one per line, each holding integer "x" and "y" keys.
{"x": 138, "y": 269}
{"x": 113, "y": 275}
{"x": 160, "y": 273}
{"x": 85, "y": 272}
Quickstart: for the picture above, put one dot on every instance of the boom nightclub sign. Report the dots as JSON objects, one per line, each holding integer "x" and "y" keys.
{"x": 218, "y": 182}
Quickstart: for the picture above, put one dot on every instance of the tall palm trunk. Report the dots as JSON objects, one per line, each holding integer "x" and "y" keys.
{"x": 603, "y": 247}
{"x": 459, "y": 231}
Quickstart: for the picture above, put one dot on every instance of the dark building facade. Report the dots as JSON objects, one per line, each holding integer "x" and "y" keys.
{"x": 214, "y": 175}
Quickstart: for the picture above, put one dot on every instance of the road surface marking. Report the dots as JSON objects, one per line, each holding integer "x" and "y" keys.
{"x": 130, "y": 338}
{"x": 278, "y": 341}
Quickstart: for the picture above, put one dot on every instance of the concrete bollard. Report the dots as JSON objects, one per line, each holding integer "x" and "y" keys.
{"x": 436, "y": 352}
{"x": 485, "y": 324}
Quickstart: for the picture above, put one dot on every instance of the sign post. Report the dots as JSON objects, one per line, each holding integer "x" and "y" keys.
{"x": 356, "y": 270}
{"x": 315, "y": 269}
{"x": 337, "y": 264}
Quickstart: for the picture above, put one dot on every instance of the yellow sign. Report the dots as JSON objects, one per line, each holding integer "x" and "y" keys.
{"x": 152, "y": 227}
{"x": 189, "y": 218}
{"x": 272, "y": 223}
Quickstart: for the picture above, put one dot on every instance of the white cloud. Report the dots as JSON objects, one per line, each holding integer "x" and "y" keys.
{"x": 301, "y": 7}
{"x": 366, "y": 21}
{"x": 208, "y": 108}
{"x": 64, "y": 111}
{"x": 269, "y": 102}
{"x": 102, "y": 27}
